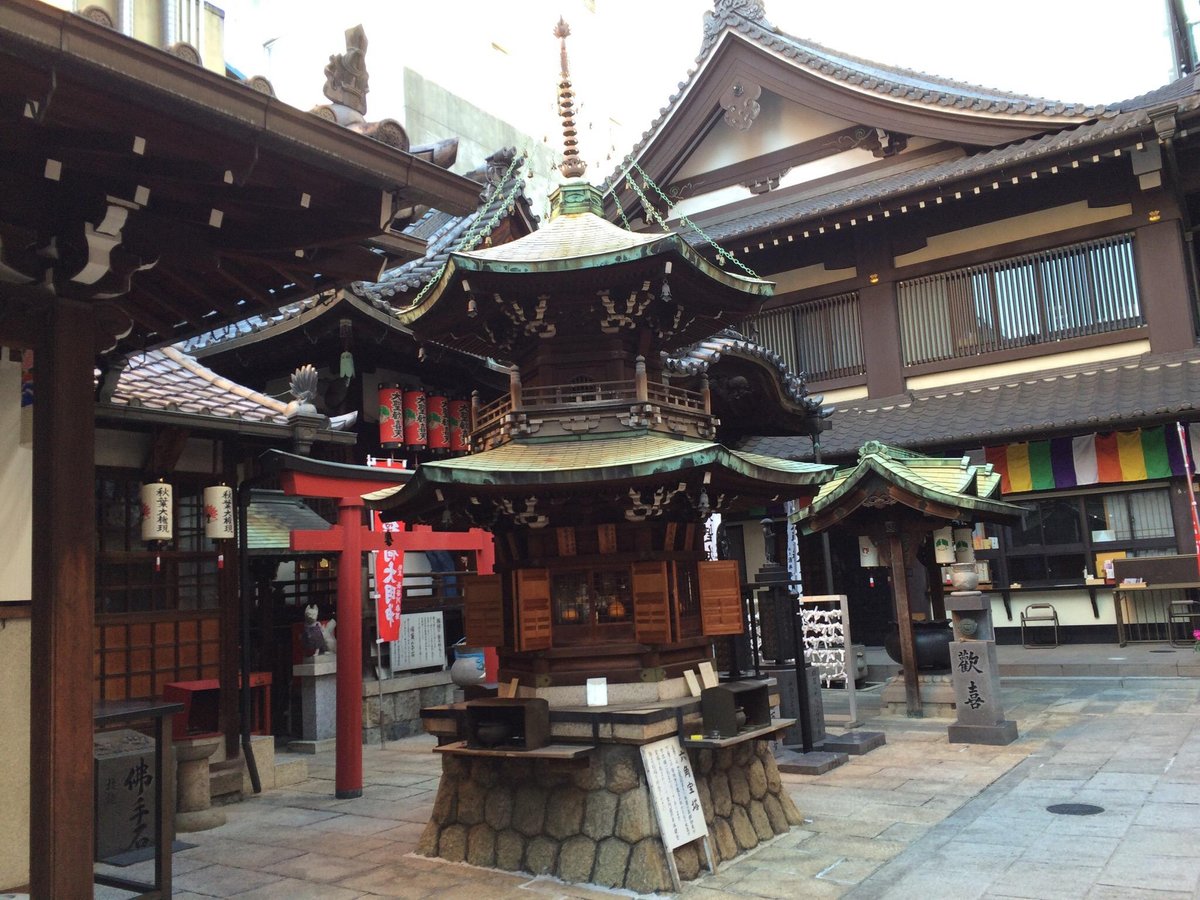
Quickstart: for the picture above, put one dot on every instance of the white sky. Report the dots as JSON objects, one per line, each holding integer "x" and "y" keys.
{"x": 627, "y": 56}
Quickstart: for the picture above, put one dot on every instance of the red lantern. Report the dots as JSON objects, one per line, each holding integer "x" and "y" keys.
{"x": 391, "y": 415}
{"x": 460, "y": 424}
{"x": 416, "y": 424}
{"x": 439, "y": 431}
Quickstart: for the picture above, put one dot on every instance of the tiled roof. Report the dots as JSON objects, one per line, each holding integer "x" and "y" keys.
{"x": 841, "y": 200}
{"x": 272, "y": 517}
{"x": 1098, "y": 397}
{"x": 892, "y": 81}
{"x": 442, "y": 233}
{"x": 953, "y": 482}
{"x": 696, "y": 360}
{"x": 748, "y": 20}
{"x": 170, "y": 380}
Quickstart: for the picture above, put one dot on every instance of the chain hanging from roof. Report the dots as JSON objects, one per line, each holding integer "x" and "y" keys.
{"x": 480, "y": 227}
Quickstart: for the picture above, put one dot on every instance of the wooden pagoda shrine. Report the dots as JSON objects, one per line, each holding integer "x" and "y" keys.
{"x": 596, "y": 474}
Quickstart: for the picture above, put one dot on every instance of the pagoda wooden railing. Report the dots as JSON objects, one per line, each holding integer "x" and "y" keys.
{"x": 572, "y": 399}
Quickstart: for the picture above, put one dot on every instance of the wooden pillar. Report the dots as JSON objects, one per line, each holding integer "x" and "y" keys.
{"x": 63, "y": 606}
{"x": 908, "y": 649}
{"x": 348, "y": 775}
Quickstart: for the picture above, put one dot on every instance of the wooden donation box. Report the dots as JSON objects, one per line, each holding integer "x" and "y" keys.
{"x": 507, "y": 723}
{"x": 735, "y": 706}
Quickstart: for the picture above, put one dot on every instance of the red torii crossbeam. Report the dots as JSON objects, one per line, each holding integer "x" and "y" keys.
{"x": 350, "y": 538}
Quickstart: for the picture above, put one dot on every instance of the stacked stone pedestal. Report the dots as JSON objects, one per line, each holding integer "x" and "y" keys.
{"x": 595, "y": 823}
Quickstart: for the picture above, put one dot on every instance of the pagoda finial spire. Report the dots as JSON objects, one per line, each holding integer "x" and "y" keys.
{"x": 571, "y": 166}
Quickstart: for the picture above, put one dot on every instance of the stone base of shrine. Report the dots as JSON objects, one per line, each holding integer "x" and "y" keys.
{"x": 590, "y": 819}
{"x": 937, "y": 696}
{"x": 398, "y": 710}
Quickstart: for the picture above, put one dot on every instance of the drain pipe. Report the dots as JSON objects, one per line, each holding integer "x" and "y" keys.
{"x": 246, "y": 589}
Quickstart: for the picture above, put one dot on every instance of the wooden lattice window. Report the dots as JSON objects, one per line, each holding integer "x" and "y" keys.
{"x": 651, "y": 603}
{"x": 483, "y": 610}
{"x": 720, "y": 597}
{"x": 533, "y": 609}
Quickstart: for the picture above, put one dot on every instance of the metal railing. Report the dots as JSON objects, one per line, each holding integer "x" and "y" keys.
{"x": 1071, "y": 291}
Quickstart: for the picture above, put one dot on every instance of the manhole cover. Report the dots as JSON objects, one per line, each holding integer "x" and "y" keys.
{"x": 1074, "y": 809}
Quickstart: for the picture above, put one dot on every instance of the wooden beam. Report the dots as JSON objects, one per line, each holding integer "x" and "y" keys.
{"x": 165, "y": 450}
{"x": 64, "y": 498}
{"x": 908, "y": 649}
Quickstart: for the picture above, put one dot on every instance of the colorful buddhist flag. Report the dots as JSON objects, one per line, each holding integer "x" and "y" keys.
{"x": 1142, "y": 454}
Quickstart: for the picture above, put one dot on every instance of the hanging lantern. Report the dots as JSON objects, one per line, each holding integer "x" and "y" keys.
{"x": 460, "y": 424}
{"x": 943, "y": 545}
{"x": 436, "y": 413}
{"x": 868, "y": 553}
{"x": 157, "y": 507}
{"x": 416, "y": 424}
{"x": 964, "y": 545}
{"x": 218, "y": 512}
{"x": 391, "y": 415}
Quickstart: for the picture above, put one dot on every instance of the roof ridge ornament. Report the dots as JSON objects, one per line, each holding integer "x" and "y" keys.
{"x": 571, "y": 166}
{"x": 346, "y": 75}
{"x": 727, "y": 13}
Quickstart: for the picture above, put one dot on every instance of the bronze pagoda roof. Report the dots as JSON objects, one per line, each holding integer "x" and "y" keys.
{"x": 521, "y": 468}
{"x": 941, "y": 488}
{"x": 487, "y": 301}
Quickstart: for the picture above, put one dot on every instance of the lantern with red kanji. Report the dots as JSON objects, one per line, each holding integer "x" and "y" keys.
{"x": 391, "y": 415}
{"x": 436, "y": 414}
{"x": 416, "y": 423}
{"x": 157, "y": 512}
{"x": 218, "y": 512}
{"x": 460, "y": 424}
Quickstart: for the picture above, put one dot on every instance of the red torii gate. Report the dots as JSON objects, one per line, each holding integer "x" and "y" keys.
{"x": 351, "y": 537}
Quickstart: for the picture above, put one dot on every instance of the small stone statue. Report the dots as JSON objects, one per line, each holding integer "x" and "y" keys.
{"x": 312, "y": 638}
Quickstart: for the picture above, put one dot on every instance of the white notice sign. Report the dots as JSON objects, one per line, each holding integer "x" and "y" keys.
{"x": 422, "y": 642}
{"x": 673, "y": 790}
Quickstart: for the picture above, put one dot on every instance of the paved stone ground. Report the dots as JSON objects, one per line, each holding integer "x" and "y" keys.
{"x": 917, "y": 818}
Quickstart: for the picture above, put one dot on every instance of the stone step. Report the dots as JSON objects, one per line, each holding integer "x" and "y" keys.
{"x": 225, "y": 782}
{"x": 290, "y": 768}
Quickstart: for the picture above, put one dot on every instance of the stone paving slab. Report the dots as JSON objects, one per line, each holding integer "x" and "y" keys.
{"x": 917, "y": 818}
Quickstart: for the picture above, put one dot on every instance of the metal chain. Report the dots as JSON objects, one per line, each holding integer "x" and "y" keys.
{"x": 684, "y": 220}
{"x": 471, "y": 237}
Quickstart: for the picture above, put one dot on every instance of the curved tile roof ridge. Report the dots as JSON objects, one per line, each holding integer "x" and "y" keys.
{"x": 414, "y": 274}
{"x": 696, "y": 359}
{"x": 857, "y": 72}
{"x": 938, "y": 173}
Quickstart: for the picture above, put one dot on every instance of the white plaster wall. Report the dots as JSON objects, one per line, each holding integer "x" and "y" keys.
{"x": 779, "y": 124}
{"x": 1034, "y": 366}
{"x": 1015, "y": 228}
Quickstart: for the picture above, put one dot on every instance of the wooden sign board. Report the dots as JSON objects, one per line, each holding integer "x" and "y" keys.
{"x": 675, "y": 799}
{"x": 693, "y": 683}
{"x": 708, "y": 675}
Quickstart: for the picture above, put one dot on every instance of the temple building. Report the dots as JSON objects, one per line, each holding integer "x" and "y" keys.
{"x": 959, "y": 270}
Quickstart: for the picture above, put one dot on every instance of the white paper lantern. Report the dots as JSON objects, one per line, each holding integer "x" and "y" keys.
{"x": 943, "y": 545}
{"x": 157, "y": 512}
{"x": 868, "y": 553}
{"x": 218, "y": 512}
{"x": 964, "y": 545}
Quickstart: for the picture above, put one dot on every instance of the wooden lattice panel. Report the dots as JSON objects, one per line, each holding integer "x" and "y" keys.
{"x": 483, "y": 610}
{"x": 651, "y": 603}
{"x": 533, "y": 609}
{"x": 720, "y": 597}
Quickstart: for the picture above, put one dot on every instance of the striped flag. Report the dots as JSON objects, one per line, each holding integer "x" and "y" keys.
{"x": 1140, "y": 455}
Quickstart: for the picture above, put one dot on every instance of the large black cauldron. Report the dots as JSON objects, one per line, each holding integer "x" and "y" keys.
{"x": 932, "y": 640}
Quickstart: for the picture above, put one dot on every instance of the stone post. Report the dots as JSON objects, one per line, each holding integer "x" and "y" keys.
{"x": 976, "y": 674}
